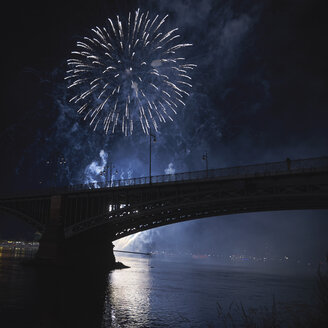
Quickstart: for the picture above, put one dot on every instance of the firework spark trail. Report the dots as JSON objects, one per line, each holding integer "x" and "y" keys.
{"x": 129, "y": 72}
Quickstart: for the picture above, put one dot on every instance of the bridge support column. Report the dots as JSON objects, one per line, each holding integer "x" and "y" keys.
{"x": 93, "y": 248}
{"x": 51, "y": 245}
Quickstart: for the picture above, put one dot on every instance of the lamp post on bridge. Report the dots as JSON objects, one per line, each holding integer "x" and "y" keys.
{"x": 150, "y": 140}
{"x": 205, "y": 158}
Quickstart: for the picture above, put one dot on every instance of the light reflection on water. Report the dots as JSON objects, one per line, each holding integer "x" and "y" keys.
{"x": 128, "y": 294}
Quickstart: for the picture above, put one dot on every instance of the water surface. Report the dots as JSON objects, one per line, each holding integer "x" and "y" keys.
{"x": 153, "y": 292}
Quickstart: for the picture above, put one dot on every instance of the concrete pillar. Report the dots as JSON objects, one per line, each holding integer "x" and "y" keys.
{"x": 51, "y": 245}
{"x": 92, "y": 248}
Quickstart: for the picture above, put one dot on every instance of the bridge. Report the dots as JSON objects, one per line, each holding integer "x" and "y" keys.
{"x": 81, "y": 220}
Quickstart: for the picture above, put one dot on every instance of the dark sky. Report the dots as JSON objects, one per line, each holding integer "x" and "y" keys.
{"x": 259, "y": 95}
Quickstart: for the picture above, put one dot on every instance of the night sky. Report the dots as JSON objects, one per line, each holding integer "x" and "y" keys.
{"x": 259, "y": 95}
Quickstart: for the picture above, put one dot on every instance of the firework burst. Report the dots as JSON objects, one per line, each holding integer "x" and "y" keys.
{"x": 129, "y": 72}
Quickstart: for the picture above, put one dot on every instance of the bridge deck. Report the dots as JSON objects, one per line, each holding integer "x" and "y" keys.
{"x": 246, "y": 171}
{"x": 137, "y": 204}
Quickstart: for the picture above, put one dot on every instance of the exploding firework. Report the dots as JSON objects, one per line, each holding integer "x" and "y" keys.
{"x": 129, "y": 72}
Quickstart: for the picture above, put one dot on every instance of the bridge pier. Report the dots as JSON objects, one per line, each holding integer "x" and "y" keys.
{"x": 51, "y": 244}
{"x": 93, "y": 248}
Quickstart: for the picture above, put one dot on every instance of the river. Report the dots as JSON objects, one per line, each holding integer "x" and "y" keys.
{"x": 154, "y": 292}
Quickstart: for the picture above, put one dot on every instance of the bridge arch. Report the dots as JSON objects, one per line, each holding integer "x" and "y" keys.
{"x": 207, "y": 199}
{"x": 23, "y": 217}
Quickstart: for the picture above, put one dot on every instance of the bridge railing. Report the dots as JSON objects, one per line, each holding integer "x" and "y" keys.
{"x": 287, "y": 166}
{"x": 268, "y": 169}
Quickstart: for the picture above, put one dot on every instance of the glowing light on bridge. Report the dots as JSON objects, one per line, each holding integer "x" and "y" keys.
{"x": 128, "y": 72}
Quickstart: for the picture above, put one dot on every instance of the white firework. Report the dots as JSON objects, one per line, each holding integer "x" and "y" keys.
{"x": 129, "y": 72}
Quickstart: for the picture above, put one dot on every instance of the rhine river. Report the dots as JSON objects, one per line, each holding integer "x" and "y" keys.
{"x": 153, "y": 292}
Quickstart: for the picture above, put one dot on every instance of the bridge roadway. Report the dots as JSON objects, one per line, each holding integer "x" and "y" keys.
{"x": 86, "y": 214}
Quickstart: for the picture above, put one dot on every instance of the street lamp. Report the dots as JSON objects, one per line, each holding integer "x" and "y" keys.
{"x": 154, "y": 140}
{"x": 205, "y": 158}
